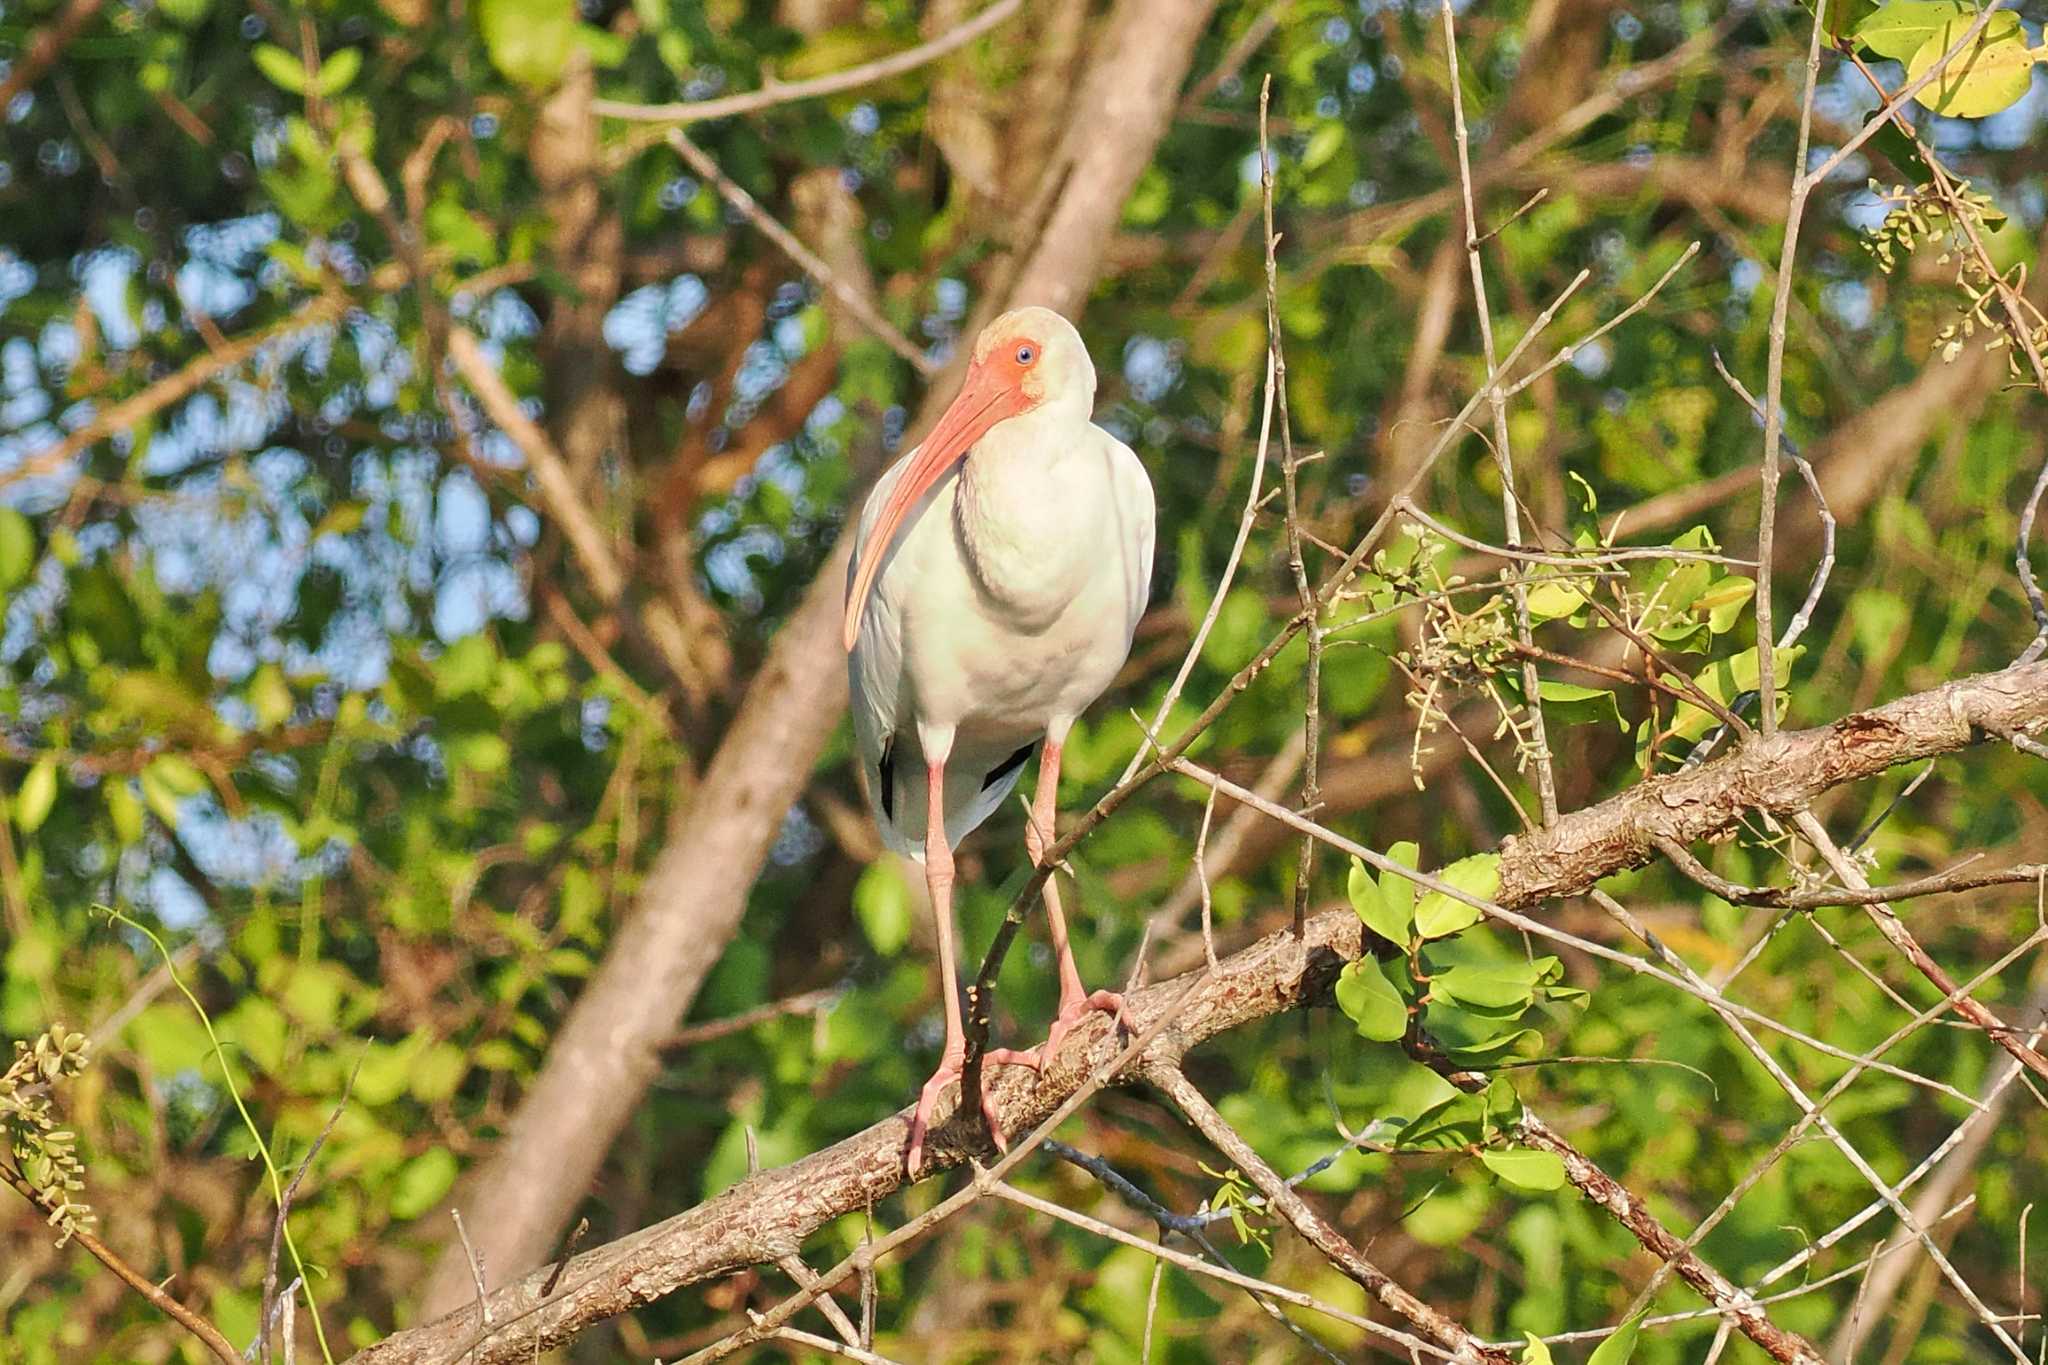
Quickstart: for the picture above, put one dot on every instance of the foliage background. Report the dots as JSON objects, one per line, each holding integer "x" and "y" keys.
{"x": 300, "y": 669}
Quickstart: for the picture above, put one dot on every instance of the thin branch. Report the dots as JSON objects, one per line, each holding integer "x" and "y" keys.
{"x": 1784, "y": 898}
{"x": 1315, "y": 1229}
{"x": 189, "y": 379}
{"x": 130, "y": 1276}
{"x": 809, "y": 1002}
{"x": 44, "y": 47}
{"x": 850, "y": 298}
{"x": 1532, "y": 685}
{"x": 775, "y": 93}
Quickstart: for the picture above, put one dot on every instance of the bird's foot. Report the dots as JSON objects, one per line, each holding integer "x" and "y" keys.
{"x": 1072, "y": 1011}
{"x": 949, "y": 1071}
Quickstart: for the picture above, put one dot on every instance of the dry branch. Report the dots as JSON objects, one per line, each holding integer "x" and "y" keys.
{"x": 769, "y": 1215}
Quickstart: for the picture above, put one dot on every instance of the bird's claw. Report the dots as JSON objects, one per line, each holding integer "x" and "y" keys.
{"x": 949, "y": 1071}
{"x": 1072, "y": 1011}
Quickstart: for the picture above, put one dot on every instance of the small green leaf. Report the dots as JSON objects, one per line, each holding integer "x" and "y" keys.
{"x": 1553, "y": 601}
{"x": 1487, "y": 1051}
{"x": 17, "y": 548}
{"x": 1993, "y": 73}
{"x": 280, "y": 68}
{"x": 1575, "y": 705}
{"x": 422, "y": 1181}
{"x": 338, "y": 70}
{"x": 1447, "y": 1125}
{"x": 1483, "y": 989}
{"x": 1617, "y": 1349}
{"x": 530, "y": 41}
{"x": 1535, "y": 1352}
{"x": 124, "y": 809}
{"x": 881, "y": 898}
{"x": 1370, "y": 1000}
{"x": 1902, "y": 28}
{"x": 38, "y": 793}
{"x": 1372, "y": 907}
{"x": 1723, "y": 602}
{"x": 1477, "y": 876}
{"x": 1396, "y": 890}
{"x": 1525, "y": 1167}
{"x": 465, "y": 666}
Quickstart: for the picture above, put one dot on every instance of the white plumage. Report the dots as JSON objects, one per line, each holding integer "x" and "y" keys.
{"x": 999, "y": 571}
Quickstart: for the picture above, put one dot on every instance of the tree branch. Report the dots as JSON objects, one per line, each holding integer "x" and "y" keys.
{"x": 769, "y": 1215}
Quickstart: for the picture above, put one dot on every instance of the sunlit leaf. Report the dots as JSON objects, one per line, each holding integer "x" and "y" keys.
{"x": 1439, "y": 915}
{"x": 1371, "y": 1002}
{"x": 1992, "y": 73}
{"x": 1524, "y": 1167}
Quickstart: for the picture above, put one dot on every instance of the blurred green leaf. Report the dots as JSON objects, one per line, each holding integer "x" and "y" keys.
{"x": 17, "y": 549}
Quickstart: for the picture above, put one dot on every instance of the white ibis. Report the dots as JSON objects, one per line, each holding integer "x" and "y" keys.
{"x": 998, "y": 573}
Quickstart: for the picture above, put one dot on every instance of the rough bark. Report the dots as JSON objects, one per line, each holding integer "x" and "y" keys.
{"x": 769, "y": 1215}
{"x": 690, "y": 906}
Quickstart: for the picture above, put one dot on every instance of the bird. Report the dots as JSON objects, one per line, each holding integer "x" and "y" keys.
{"x": 998, "y": 573}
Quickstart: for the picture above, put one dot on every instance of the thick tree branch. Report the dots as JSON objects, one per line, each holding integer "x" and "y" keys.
{"x": 769, "y": 1215}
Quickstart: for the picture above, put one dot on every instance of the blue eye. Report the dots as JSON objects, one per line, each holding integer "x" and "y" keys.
{"x": 1026, "y": 354}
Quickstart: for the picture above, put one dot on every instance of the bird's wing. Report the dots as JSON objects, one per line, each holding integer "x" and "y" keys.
{"x": 1136, "y": 516}
{"x": 874, "y": 676}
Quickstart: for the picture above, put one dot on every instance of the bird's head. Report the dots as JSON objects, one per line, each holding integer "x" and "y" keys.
{"x": 1027, "y": 359}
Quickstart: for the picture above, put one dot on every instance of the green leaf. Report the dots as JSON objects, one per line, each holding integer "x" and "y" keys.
{"x": 465, "y": 666}
{"x": 1370, "y": 1000}
{"x": 1617, "y": 1349}
{"x": 881, "y": 898}
{"x": 17, "y": 548}
{"x": 1372, "y": 907}
{"x": 38, "y": 793}
{"x": 1535, "y": 1352}
{"x": 1575, "y": 705}
{"x": 530, "y": 41}
{"x": 1524, "y": 1167}
{"x": 1485, "y": 989}
{"x": 1477, "y": 876}
{"x": 1487, "y": 1051}
{"x": 1723, "y": 602}
{"x": 1396, "y": 890}
{"x": 1993, "y": 73}
{"x": 422, "y": 1182}
{"x": 1902, "y": 28}
{"x": 1553, "y": 601}
{"x": 124, "y": 810}
{"x": 1723, "y": 681}
{"x": 338, "y": 70}
{"x": 1447, "y": 1125}
{"x": 280, "y": 68}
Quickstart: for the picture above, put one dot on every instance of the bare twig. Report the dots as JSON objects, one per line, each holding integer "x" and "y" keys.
{"x": 1785, "y": 898}
{"x": 44, "y": 47}
{"x": 775, "y": 93}
{"x": 808, "y": 1002}
{"x": 853, "y": 300}
{"x": 284, "y": 1208}
{"x": 192, "y": 1322}
{"x": 1316, "y": 1230}
{"x": 1538, "y": 745}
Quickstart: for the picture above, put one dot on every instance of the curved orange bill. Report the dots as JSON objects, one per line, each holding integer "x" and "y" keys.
{"x": 983, "y": 400}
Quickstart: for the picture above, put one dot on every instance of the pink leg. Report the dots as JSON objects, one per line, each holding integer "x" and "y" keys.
{"x": 1076, "y": 1000}
{"x": 938, "y": 871}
